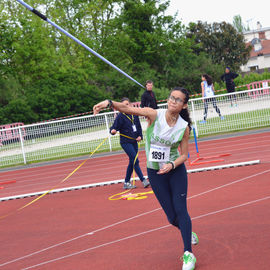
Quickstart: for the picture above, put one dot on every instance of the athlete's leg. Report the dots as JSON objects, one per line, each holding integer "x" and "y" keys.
{"x": 214, "y": 102}
{"x": 131, "y": 151}
{"x": 179, "y": 184}
{"x": 128, "y": 148}
{"x": 172, "y": 198}
{"x": 205, "y": 103}
{"x": 136, "y": 165}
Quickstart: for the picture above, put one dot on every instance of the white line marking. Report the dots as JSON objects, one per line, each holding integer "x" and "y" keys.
{"x": 125, "y": 220}
{"x": 228, "y": 184}
{"x": 142, "y": 233}
{"x": 38, "y": 193}
{"x": 78, "y": 237}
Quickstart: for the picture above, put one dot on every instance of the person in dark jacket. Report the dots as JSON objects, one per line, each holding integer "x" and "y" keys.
{"x": 228, "y": 77}
{"x": 130, "y": 130}
{"x": 148, "y": 98}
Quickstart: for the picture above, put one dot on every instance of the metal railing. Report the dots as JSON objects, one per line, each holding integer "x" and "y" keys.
{"x": 81, "y": 135}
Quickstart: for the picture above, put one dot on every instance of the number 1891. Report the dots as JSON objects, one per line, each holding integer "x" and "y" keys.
{"x": 158, "y": 155}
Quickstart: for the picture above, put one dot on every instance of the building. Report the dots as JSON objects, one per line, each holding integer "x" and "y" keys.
{"x": 259, "y": 59}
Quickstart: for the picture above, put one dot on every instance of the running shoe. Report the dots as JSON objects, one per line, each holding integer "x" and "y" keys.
{"x": 128, "y": 185}
{"x": 194, "y": 239}
{"x": 146, "y": 183}
{"x": 189, "y": 261}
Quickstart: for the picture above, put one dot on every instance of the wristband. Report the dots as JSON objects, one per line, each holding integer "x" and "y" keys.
{"x": 173, "y": 165}
{"x": 110, "y": 104}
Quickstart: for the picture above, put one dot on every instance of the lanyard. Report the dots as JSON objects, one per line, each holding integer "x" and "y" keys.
{"x": 132, "y": 121}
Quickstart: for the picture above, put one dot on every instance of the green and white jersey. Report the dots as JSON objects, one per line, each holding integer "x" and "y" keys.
{"x": 162, "y": 141}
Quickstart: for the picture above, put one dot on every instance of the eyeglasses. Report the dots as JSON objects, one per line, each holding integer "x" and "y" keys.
{"x": 177, "y": 100}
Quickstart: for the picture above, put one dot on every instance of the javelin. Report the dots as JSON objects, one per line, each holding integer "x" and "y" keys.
{"x": 43, "y": 17}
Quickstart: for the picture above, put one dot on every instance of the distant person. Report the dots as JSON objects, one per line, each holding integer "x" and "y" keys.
{"x": 148, "y": 98}
{"x": 130, "y": 127}
{"x": 228, "y": 77}
{"x": 208, "y": 92}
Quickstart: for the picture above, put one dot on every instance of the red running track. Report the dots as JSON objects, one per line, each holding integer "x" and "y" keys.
{"x": 84, "y": 230}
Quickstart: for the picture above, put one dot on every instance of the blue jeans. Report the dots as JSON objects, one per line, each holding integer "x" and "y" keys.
{"x": 131, "y": 150}
{"x": 171, "y": 192}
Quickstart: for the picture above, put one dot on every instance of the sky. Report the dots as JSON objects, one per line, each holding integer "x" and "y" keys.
{"x": 217, "y": 11}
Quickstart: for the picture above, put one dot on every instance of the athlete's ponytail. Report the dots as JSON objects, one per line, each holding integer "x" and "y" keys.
{"x": 185, "y": 112}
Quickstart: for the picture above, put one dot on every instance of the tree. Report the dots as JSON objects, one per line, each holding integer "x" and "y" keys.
{"x": 221, "y": 42}
{"x": 150, "y": 45}
{"x": 239, "y": 25}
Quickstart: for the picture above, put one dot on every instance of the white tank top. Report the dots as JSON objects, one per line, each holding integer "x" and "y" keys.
{"x": 162, "y": 141}
{"x": 208, "y": 90}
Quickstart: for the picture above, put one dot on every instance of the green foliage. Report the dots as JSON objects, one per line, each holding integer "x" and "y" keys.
{"x": 252, "y": 77}
{"x": 16, "y": 110}
{"x": 222, "y": 42}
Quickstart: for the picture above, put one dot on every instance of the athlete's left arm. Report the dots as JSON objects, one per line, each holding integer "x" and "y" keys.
{"x": 184, "y": 149}
{"x": 183, "y": 157}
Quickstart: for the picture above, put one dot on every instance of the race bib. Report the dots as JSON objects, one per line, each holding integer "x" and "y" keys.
{"x": 159, "y": 153}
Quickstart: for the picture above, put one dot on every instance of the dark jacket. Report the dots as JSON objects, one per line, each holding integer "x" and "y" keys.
{"x": 148, "y": 99}
{"x": 228, "y": 78}
{"x": 123, "y": 124}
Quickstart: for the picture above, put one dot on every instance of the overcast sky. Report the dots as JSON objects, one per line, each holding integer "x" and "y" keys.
{"x": 218, "y": 11}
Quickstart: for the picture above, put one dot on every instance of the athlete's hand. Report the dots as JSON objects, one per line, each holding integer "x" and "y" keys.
{"x": 139, "y": 138}
{"x": 101, "y": 105}
{"x": 165, "y": 169}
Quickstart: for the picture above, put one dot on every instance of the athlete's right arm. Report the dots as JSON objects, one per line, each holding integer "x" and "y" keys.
{"x": 150, "y": 113}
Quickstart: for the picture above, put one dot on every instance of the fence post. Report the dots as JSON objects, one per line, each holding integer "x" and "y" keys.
{"x": 194, "y": 118}
{"x": 108, "y": 131}
{"x": 21, "y": 139}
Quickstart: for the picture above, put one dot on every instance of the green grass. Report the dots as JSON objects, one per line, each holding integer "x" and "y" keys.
{"x": 235, "y": 122}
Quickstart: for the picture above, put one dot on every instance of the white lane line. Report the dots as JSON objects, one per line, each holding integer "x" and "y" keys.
{"x": 80, "y": 236}
{"x": 229, "y": 184}
{"x": 38, "y": 193}
{"x": 142, "y": 233}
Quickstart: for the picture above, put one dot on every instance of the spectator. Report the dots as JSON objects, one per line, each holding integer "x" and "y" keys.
{"x": 130, "y": 130}
{"x": 228, "y": 77}
{"x": 148, "y": 98}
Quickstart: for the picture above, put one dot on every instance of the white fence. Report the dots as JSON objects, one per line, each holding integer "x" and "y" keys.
{"x": 81, "y": 135}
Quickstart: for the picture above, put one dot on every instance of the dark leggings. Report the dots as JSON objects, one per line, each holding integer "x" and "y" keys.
{"x": 214, "y": 102}
{"x": 131, "y": 150}
{"x": 171, "y": 192}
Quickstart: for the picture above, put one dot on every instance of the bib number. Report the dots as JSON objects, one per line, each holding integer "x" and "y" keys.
{"x": 159, "y": 153}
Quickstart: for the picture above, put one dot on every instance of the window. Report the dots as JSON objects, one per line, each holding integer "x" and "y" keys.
{"x": 254, "y": 68}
